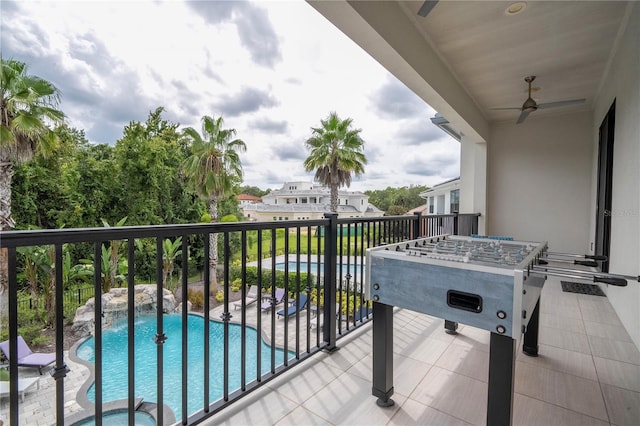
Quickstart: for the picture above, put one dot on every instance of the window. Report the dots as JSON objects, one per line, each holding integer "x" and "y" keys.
{"x": 431, "y": 202}
{"x": 455, "y": 201}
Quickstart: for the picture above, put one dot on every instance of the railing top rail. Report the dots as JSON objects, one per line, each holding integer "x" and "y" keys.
{"x": 79, "y": 235}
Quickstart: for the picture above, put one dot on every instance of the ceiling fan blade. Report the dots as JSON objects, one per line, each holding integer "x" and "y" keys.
{"x": 523, "y": 116}
{"x": 503, "y": 109}
{"x": 426, "y": 7}
{"x": 561, "y": 103}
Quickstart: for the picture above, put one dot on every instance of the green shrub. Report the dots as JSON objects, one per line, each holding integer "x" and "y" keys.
{"x": 236, "y": 284}
{"x": 220, "y": 296}
{"x": 196, "y": 297}
{"x": 251, "y": 274}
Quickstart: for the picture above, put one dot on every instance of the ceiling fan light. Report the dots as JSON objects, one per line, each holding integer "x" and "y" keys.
{"x": 515, "y": 8}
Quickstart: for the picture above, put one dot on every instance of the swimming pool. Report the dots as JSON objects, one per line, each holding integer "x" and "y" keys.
{"x": 114, "y": 376}
{"x": 120, "y": 417}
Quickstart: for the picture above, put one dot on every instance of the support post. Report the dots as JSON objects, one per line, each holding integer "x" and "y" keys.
{"x": 416, "y": 229}
{"x": 501, "y": 378}
{"x": 530, "y": 341}
{"x": 382, "y": 354}
{"x": 330, "y": 267}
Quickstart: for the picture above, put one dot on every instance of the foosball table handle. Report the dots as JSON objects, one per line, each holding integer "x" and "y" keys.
{"x": 591, "y": 263}
{"x": 620, "y": 282}
{"x": 595, "y": 257}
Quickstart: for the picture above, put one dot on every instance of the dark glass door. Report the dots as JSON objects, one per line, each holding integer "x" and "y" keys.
{"x": 605, "y": 183}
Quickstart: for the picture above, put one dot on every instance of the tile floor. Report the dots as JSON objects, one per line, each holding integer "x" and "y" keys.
{"x": 588, "y": 373}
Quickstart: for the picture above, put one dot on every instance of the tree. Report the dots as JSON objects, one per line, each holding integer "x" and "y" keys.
{"x": 27, "y": 105}
{"x": 336, "y": 153}
{"x": 213, "y": 169}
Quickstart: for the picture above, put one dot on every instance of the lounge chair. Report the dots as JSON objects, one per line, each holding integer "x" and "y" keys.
{"x": 269, "y": 302}
{"x": 251, "y": 297}
{"x": 319, "y": 322}
{"x": 291, "y": 310}
{"x": 23, "y": 386}
{"x": 28, "y": 358}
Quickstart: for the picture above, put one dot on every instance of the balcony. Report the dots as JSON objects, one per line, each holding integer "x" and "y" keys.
{"x": 587, "y": 371}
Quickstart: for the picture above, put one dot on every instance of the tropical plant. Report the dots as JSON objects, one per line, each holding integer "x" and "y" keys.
{"x": 335, "y": 153}
{"x": 108, "y": 279}
{"x": 170, "y": 251}
{"x": 213, "y": 169}
{"x": 114, "y": 253}
{"x": 35, "y": 261}
{"x": 28, "y": 104}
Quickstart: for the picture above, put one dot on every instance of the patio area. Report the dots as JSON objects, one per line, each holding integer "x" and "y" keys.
{"x": 588, "y": 373}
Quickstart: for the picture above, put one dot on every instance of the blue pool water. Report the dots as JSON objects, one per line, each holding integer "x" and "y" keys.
{"x": 114, "y": 356}
{"x": 314, "y": 267}
{"x": 120, "y": 418}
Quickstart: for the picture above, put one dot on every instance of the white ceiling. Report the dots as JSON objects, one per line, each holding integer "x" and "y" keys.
{"x": 566, "y": 44}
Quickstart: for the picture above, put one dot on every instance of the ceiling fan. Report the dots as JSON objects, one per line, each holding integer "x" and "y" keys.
{"x": 531, "y": 105}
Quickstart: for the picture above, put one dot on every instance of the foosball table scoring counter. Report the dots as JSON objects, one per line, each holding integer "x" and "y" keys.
{"x": 489, "y": 283}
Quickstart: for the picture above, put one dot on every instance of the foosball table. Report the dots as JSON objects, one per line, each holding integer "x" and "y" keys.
{"x": 492, "y": 283}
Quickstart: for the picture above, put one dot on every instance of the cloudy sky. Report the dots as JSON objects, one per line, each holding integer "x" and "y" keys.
{"x": 271, "y": 69}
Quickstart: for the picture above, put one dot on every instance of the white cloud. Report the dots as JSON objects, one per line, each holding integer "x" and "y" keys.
{"x": 272, "y": 69}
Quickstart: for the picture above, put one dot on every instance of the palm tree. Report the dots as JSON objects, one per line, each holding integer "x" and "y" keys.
{"x": 28, "y": 104}
{"x": 336, "y": 152}
{"x": 213, "y": 168}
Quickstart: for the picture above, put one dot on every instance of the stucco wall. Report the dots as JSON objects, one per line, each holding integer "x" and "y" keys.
{"x": 622, "y": 85}
{"x": 539, "y": 180}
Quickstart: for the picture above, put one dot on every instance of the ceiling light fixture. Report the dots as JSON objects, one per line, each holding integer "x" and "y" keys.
{"x": 515, "y": 8}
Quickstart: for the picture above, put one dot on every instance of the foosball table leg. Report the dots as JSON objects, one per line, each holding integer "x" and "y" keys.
{"x": 450, "y": 327}
{"x": 501, "y": 380}
{"x": 383, "y": 354}
{"x": 530, "y": 340}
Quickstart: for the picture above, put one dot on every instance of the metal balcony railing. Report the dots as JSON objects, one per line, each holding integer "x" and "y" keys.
{"x": 322, "y": 260}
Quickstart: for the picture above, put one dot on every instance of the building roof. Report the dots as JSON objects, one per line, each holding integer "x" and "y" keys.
{"x": 440, "y": 186}
{"x": 420, "y": 209}
{"x": 247, "y": 197}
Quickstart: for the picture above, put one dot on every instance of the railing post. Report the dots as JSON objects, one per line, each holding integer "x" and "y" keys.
{"x": 330, "y": 266}
{"x": 416, "y": 231}
{"x": 455, "y": 224}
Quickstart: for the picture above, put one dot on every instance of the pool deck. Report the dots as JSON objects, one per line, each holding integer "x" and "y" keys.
{"x": 588, "y": 373}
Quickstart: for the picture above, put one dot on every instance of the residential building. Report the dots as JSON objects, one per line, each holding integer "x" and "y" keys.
{"x": 443, "y": 198}
{"x": 246, "y": 199}
{"x": 305, "y": 200}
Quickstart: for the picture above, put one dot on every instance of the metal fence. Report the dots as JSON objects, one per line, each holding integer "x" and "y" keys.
{"x": 322, "y": 260}
{"x": 72, "y": 299}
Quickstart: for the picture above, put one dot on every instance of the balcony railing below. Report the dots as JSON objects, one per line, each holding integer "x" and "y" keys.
{"x": 320, "y": 265}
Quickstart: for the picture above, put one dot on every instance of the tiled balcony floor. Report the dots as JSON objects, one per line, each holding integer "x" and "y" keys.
{"x": 588, "y": 373}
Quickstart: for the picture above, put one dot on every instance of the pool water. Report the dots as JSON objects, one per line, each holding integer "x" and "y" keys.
{"x": 121, "y": 418}
{"x": 115, "y": 363}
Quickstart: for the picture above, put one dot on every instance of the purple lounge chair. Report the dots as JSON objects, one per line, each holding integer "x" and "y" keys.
{"x": 28, "y": 358}
{"x": 268, "y": 302}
